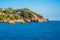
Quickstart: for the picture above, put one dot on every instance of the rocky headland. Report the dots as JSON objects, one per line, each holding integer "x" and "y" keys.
{"x": 20, "y": 15}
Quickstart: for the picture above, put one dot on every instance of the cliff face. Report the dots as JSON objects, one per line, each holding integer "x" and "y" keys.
{"x": 20, "y": 15}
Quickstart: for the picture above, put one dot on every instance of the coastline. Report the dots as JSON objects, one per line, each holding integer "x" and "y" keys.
{"x": 23, "y": 21}
{"x": 12, "y": 21}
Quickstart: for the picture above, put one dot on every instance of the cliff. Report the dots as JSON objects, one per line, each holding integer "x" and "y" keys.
{"x": 20, "y": 15}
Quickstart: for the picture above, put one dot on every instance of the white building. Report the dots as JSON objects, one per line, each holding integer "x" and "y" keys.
{"x": 3, "y": 9}
{"x": 0, "y": 13}
{"x": 18, "y": 12}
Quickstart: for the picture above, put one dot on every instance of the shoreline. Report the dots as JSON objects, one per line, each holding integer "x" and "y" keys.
{"x": 12, "y": 21}
{"x": 21, "y": 21}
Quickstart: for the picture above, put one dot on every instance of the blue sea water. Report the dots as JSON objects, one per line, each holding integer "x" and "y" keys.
{"x": 30, "y": 31}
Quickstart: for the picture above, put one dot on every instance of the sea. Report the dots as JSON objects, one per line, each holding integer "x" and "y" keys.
{"x": 30, "y": 31}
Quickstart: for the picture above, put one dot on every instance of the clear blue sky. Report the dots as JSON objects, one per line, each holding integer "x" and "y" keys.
{"x": 48, "y": 8}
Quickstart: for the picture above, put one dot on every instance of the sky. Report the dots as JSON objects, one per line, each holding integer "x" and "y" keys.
{"x": 47, "y": 8}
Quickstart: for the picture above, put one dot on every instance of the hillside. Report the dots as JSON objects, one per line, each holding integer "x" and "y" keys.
{"x": 20, "y": 15}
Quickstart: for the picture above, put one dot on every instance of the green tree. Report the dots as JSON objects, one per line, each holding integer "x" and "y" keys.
{"x": 12, "y": 18}
{"x": 1, "y": 18}
{"x": 14, "y": 11}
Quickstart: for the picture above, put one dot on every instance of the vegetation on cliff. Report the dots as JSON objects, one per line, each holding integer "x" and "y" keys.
{"x": 19, "y": 15}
